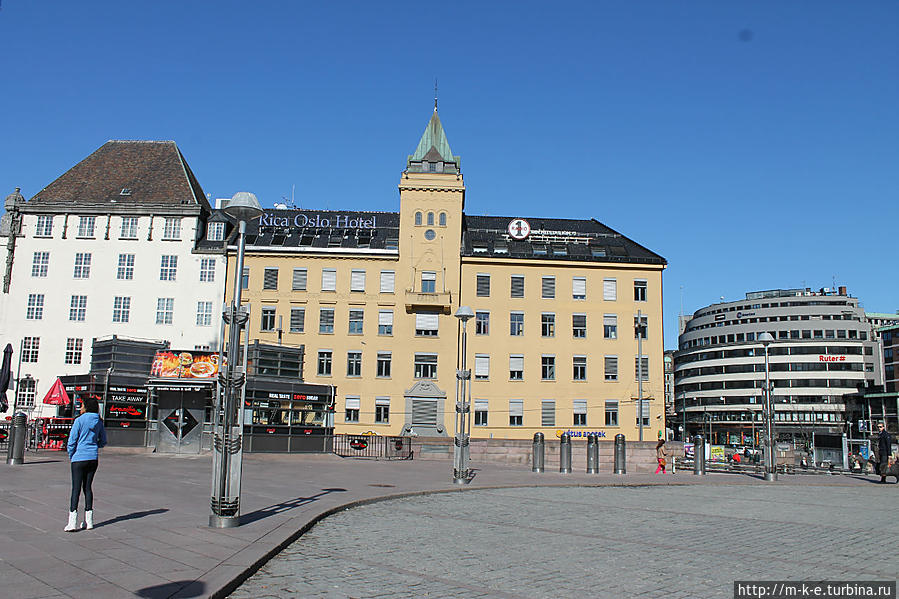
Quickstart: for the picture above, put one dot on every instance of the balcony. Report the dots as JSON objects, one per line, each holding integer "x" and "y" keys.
{"x": 439, "y": 300}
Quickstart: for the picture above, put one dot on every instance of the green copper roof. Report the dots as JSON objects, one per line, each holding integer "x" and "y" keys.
{"x": 433, "y": 146}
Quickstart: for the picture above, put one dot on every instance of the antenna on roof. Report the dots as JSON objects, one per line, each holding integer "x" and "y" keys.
{"x": 435, "y": 94}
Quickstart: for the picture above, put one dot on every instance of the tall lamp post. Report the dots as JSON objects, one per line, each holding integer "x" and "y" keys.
{"x": 461, "y": 473}
{"x": 639, "y": 332}
{"x": 770, "y": 471}
{"x": 227, "y": 444}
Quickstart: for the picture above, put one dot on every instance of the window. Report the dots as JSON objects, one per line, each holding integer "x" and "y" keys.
{"x": 357, "y": 280}
{"x": 610, "y": 326}
{"x": 579, "y": 288}
{"x": 125, "y": 269}
{"x": 86, "y": 226}
{"x": 641, "y": 367}
{"x": 611, "y": 413}
{"x": 326, "y": 321}
{"x": 204, "y": 314}
{"x": 425, "y": 366}
{"x": 384, "y": 360}
{"x": 215, "y": 231}
{"x": 172, "y": 228}
{"x": 547, "y": 324}
{"x": 641, "y": 327}
{"x": 297, "y": 320}
{"x": 548, "y": 287}
{"x": 35, "y": 308}
{"x": 426, "y": 324}
{"x": 611, "y": 368}
{"x": 645, "y": 413}
{"x": 270, "y": 278}
{"x": 121, "y": 309}
{"x": 385, "y": 322}
{"x": 30, "y": 347}
{"x": 480, "y": 412}
{"x": 610, "y": 289}
{"x": 482, "y": 286}
{"x": 168, "y": 268}
{"x": 82, "y": 266}
{"x": 482, "y": 323}
{"x": 548, "y": 368}
{"x": 516, "y": 367}
{"x": 44, "y": 226}
{"x": 25, "y": 393}
{"x": 324, "y": 362}
{"x": 73, "y": 350}
{"x": 352, "y": 409}
{"x": 245, "y": 278}
{"x": 388, "y": 281}
{"x": 516, "y": 283}
{"x": 442, "y": 219}
{"x": 579, "y": 326}
{"x": 40, "y": 264}
{"x": 207, "y": 270}
{"x": 580, "y": 412}
{"x": 428, "y": 282}
{"x": 418, "y": 218}
{"x": 579, "y": 368}
{"x": 78, "y": 308}
{"x": 382, "y": 410}
{"x": 516, "y": 412}
{"x": 165, "y": 306}
{"x": 299, "y": 279}
{"x": 431, "y": 218}
{"x": 516, "y": 324}
{"x": 356, "y": 321}
{"x": 129, "y": 227}
{"x": 481, "y": 367}
{"x": 548, "y": 412}
{"x": 267, "y": 319}
{"x": 639, "y": 290}
{"x": 329, "y": 279}
{"x": 354, "y": 363}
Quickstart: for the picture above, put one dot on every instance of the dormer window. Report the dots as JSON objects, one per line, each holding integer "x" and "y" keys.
{"x": 432, "y": 167}
{"x": 215, "y": 231}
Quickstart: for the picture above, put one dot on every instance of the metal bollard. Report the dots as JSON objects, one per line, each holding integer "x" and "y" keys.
{"x": 620, "y": 455}
{"x": 537, "y": 461}
{"x": 15, "y": 452}
{"x": 592, "y": 454}
{"x": 699, "y": 455}
{"x": 565, "y": 454}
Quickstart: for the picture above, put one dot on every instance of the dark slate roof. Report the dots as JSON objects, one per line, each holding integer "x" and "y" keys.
{"x": 129, "y": 173}
{"x": 552, "y": 239}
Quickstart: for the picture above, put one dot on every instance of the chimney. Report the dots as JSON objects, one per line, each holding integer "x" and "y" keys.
{"x": 842, "y": 290}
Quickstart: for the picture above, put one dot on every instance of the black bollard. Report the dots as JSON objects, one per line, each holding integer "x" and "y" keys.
{"x": 565, "y": 454}
{"x": 699, "y": 455}
{"x": 592, "y": 454}
{"x": 537, "y": 461}
{"x": 15, "y": 452}
{"x": 620, "y": 455}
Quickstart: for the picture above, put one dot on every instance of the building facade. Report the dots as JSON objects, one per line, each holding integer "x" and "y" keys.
{"x": 372, "y": 296}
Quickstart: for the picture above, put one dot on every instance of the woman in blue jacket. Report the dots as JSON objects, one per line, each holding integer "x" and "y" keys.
{"x": 86, "y": 437}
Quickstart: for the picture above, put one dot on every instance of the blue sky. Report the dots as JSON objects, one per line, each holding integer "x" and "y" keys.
{"x": 752, "y": 144}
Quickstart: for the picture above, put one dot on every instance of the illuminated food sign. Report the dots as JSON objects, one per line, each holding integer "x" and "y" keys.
{"x": 185, "y": 365}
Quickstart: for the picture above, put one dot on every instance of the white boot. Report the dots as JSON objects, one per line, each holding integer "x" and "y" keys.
{"x": 72, "y": 526}
{"x": 88, "y": 519}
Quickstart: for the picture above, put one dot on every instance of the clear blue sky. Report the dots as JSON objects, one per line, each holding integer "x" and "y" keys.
{"x": 754, "y": 144}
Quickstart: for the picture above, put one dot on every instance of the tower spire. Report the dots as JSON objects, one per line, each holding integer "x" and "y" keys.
{"x": 435, "y": 94}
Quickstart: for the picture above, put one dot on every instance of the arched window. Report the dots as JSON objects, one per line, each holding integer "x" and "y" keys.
{"x": 442, "y": 219}
{"x": 430, "y": 219}
{"x": 418, "y": 218}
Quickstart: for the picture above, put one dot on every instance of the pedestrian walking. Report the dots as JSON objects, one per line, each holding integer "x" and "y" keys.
{"x": 85, "y": 439}
{"x": 661, "y": 454}
{"x": 884, "y": 450}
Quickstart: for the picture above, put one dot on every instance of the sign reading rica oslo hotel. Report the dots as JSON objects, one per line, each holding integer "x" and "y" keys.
{"x": 371, "y": 296}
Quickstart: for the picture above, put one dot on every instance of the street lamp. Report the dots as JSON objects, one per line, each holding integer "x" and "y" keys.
{"x": 770, "y": 472}
{"x": 461, "y": 473}
{"x": 227, "y": 443}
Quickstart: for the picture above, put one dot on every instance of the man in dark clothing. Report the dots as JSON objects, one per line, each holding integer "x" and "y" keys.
{"x": 884, "y": 449}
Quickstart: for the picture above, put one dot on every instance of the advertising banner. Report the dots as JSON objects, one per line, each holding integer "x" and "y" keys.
{"x": 185, "y": 365}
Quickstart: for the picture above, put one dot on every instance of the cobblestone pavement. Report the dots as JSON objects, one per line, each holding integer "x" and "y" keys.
{"x": 689, "y": 541}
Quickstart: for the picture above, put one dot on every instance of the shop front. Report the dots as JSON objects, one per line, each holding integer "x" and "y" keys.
{"x": 288, "y": 417}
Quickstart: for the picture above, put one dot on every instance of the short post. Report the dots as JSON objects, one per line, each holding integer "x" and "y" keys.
{"x": 699, "y": 455}
{"x": 565, "y": 454}
{"x": 620, "y": 455}
{"x": 592, "y": 454}
{"x": 537, "y": 461}
{"x": 15, "y": 452}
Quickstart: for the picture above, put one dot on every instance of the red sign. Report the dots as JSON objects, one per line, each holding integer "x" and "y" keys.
{"x": 185, "y": 365}
{"x": 831, "y": 358}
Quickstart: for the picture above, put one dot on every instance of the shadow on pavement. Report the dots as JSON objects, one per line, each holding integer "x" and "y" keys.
{"x": 30, "y": 462}
{"x": 131, "y": 516}
{"x": 284, "y": 506}
{"x": 180, "y": 588}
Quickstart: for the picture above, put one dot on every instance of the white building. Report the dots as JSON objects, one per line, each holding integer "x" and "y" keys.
{"x": 114, "y": 246}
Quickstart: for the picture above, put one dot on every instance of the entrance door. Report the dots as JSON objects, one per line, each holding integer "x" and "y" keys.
{"x": 181, "y": 415}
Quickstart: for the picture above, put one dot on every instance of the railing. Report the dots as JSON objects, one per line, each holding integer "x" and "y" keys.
{"x": 373, "y": 446}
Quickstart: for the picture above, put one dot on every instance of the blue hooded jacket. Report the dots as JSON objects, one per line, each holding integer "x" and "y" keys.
{"x": 86, "y": 437}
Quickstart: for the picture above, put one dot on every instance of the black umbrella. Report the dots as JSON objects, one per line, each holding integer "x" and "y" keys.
{"x": 5, "y": 376}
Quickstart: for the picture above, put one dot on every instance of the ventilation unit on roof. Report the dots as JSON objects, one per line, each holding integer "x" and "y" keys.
{"x": 126, "y": 191}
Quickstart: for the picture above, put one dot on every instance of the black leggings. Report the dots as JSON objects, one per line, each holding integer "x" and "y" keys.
{"x": 82, "y": 478}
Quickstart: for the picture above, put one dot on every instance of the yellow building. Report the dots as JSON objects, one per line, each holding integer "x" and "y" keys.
{"x": 372, "y": 297}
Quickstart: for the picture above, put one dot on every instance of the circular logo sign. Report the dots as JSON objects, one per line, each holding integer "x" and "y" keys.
{"x": 519, "y": 229}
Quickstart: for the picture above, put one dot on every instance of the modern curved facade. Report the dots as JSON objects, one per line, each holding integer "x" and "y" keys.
{"x": 823, "y": 350}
